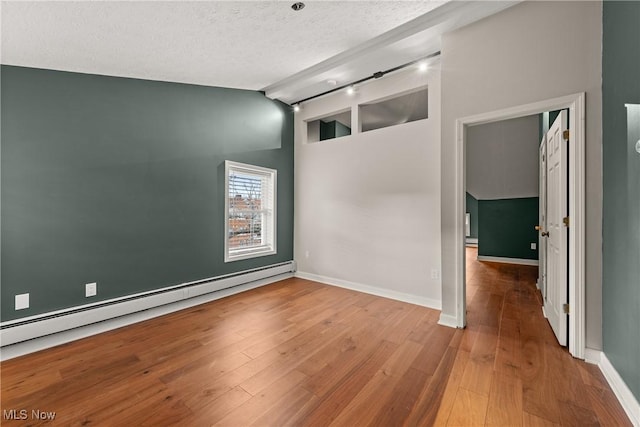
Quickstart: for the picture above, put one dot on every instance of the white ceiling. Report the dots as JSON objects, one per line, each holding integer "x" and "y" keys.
{"x": 257, "y": 45}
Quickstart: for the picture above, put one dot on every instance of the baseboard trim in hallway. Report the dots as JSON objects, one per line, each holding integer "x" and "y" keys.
{"x": 505, "y": 260}
{"x": 626, "y": 398}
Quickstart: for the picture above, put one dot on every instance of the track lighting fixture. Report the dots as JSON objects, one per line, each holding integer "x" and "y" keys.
{"x": 351, "y": 87}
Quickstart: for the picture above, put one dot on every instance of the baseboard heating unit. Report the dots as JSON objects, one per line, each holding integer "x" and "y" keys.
{"x": 66, "y": 325}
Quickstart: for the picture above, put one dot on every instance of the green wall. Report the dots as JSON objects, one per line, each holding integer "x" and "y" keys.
{"x": 506, "y": 227}
{"x": 472, "y": 209}
{"x": 621, "y": 190}
{"x": 333, "y": 129}
{"x": 342, "y": 130}
{"x": 121, "y": 182}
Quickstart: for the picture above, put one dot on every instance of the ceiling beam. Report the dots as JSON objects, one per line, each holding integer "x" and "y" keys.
{"x": 425, "y": 30}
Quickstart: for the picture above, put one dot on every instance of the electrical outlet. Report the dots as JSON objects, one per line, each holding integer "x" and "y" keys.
{"x": 90, "y": 289}
{"x": 533, "y": 246}
{"x": 22, "y": 301}
{"x": 435, "y": 274}
{"x": 306, "y": 254}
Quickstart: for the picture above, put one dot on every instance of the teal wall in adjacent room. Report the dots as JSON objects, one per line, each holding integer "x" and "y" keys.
{"x": 621, "y": 190}
{"x": 121, "y": 182}
{"x": 506, "y": 227}
{"x": 333, "y": 129}
{"x": 342, "y": 130}
{"x": 472, "y": 210}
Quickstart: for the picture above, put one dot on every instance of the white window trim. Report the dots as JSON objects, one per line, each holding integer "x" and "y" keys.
{"x": 256, "y": 251}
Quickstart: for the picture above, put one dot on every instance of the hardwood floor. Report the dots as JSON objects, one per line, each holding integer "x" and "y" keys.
{"x": 303, "y": 353}
{"x": 509, "y": 369}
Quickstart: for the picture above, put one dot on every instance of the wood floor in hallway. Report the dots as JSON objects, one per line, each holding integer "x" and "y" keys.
{"x": 307, "y": 354}
{"x": 510, "y": 370}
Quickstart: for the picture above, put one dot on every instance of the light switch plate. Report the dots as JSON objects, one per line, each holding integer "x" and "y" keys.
{"x": 90, "y": 289}
{"x": 533, "y": 246}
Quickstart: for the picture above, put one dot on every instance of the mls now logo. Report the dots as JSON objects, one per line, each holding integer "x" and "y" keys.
{"x": 23, "y": 414}
{"x": 37, "y": 414}
{"x": 15, "y": 414}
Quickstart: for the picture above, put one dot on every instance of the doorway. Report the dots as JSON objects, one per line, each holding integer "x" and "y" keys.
{"x": 576, "y": 243}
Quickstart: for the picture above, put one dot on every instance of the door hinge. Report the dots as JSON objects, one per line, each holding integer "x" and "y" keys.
{"x": 565, "y": 221}
{"x": 565, "y": 308}
{"x": 565, "y": 135}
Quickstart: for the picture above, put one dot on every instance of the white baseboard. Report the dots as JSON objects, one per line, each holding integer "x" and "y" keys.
{"x": 626, "y": 398}
{"x": 373, "y": 290}
{"x": 471, "y": 242}
{"x": 592, "y": 356}
{"x": 449, "y": 321}
{"x": 48, "y": 341}
{"x": 35, "y": 333}
{"x": 505, "y": 260}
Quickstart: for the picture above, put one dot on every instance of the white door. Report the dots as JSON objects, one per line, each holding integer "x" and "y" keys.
{"x": 542, "y": 219}
{"x": 556, "y": 286}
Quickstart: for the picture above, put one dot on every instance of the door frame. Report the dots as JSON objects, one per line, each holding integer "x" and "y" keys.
{"x": 576, "y": 243}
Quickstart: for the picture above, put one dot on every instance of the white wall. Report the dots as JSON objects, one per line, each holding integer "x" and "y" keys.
{"x": 530, "y": 52}
{"x": 367, "y": 206}
{"x": 502, "y": 159}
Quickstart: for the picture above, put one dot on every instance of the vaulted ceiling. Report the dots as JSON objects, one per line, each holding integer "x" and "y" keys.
{"x": 256, "y": 45}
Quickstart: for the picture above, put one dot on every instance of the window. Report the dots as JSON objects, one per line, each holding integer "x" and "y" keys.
{"x": 329, "y": 127}
{"x": 395, "y": 110}
{"x": 250, "y": 207}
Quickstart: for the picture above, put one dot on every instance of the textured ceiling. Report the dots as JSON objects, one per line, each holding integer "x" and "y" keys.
{"x": 245, "y": 44}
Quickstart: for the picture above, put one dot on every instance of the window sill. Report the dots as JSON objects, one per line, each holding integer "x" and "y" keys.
{"x": 241, "y": 254}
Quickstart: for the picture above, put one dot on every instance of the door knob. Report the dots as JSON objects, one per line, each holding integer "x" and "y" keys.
{"x": 545, "y": 234}
{"x": 537, "y": 228}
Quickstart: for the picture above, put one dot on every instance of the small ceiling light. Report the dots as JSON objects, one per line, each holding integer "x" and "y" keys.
{"x": 423, "y": 66}
{"x": 296, "y": 108}
{"x": 297, "y": 6}
{"x": 351, "y": 90}
{"x": 332, "y": 82}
